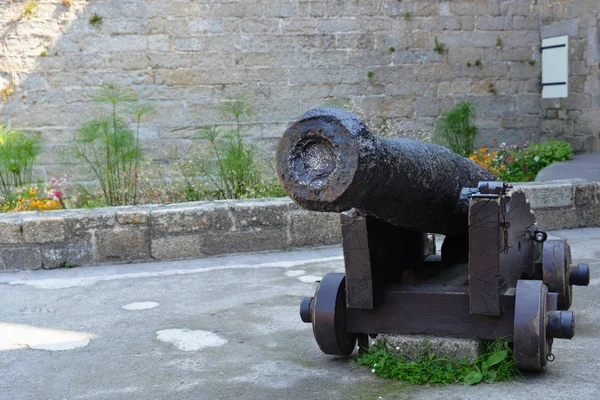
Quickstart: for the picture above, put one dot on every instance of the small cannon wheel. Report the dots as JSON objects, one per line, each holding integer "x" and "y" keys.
{"x": 556, "y": 259}
{"x": 328, "y": 319}
{"x": 531, "y": 345}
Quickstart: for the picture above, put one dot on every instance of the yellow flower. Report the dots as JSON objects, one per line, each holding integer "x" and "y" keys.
{"x": 482, "y": 150}
{"x": 32, "y": 191}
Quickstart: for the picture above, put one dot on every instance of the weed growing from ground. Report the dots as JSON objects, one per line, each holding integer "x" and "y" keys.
{"x": 96, "y": 19}
{"x": 29, "y": 9}
{"x": 439, "y": 47}
{"x": 496, "y": 365}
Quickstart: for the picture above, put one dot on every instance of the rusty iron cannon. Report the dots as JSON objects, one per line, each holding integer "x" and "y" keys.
{"x": 501, "y": 277}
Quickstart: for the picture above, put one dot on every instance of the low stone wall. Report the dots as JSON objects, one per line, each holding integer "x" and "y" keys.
{"x": 192, "y": 230}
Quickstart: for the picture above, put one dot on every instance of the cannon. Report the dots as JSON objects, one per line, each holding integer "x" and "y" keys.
{"x": 498, "y": 274}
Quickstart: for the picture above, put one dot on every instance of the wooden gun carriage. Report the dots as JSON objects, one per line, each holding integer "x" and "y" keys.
{"x": 497, "y": 276}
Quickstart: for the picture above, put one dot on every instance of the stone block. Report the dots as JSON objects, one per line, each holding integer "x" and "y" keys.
{"x": 206, "y": 26}
{"x": 586, "y": 195}
{"x": 548, "y": 195}
{"x": 190, "y": 217}
{"x": 81, "y": 222}
{"x": 260, "y": 213}
{"x": 569, "y": 28}
{"x": 122, "y": 244}
{"x": 132, "y": 216}
{"x": 559, "y": 218}
{"x": 56, "y": 256}
{"x": 20, "y": 258}
{"x": 310, "y": 228}
{"x": 175, "y": 247}
{"x": 43, "y": 229}
{"x": 251, "y": 240}
{"x": 10, "y": 229}
{"x": 414, "y": 346}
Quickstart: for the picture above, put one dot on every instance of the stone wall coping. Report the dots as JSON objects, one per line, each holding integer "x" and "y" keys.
{"x": 35, "y": 240}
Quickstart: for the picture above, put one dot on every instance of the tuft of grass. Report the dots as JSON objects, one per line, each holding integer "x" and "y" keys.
{"x": 492, "y": 89}
{"x": 407, "y": 15}
{"x": 531, "y": 62}
{"x": 96, "y": 19}
{"x": 392, "y": 49}
{"x": 478, "y": 63}
{"x": 499, "y": 42}
{"x": 469, "y": 64}
{"x": 439, "y": 47}
{"x": 30, "y": 8}
{"x": 496, "y": 365}
{"x": 370, "y": 74}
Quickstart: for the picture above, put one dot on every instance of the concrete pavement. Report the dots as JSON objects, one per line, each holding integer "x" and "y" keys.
{"x": 228, "y": 327}
{"x": 584, "y": 166}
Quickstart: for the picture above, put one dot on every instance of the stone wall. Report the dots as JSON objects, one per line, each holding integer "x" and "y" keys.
{"x": 576, "y": 117}
{"x": 49, "y": 240}
{"x": 34, "y": 240}
{"x": 186, "y": 57}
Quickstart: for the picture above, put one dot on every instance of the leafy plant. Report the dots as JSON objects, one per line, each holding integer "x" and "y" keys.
{"x": 478, "y": 63}
{"x": 234, "y": 171}
{"x": 407, "y": 15}
{"x": 492, "y": 88}
{"x": 469, "y": 64}
{"x": 111, "y": 148}
{"x": 521, "y": 163}
{"x": 531, "y": 62}
{"x": 499, "y": 42}
{"x": 17, "y": 157}
{"x": 497, "y": 364}
{"x": 392, "y": 49}
{"x": 370, "y": 74}
{"x": 456, "y": 129}
{"x": 96, "y": 19}
{"x": 439, "y": 47}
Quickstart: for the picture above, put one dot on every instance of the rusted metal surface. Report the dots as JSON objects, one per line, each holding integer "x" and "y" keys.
{"x": 329, "y": 161}
{"x": 556, "y": 260}
{"x": 328, "y": 316}
{"x": 531, "y": 346}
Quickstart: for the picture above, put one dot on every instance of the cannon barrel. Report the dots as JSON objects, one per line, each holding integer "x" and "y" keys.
{"x": 329, "y": 161}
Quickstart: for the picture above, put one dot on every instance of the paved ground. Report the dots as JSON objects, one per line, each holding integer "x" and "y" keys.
{"x": 585, "y": 166}
{"x": 227, "y": 328}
